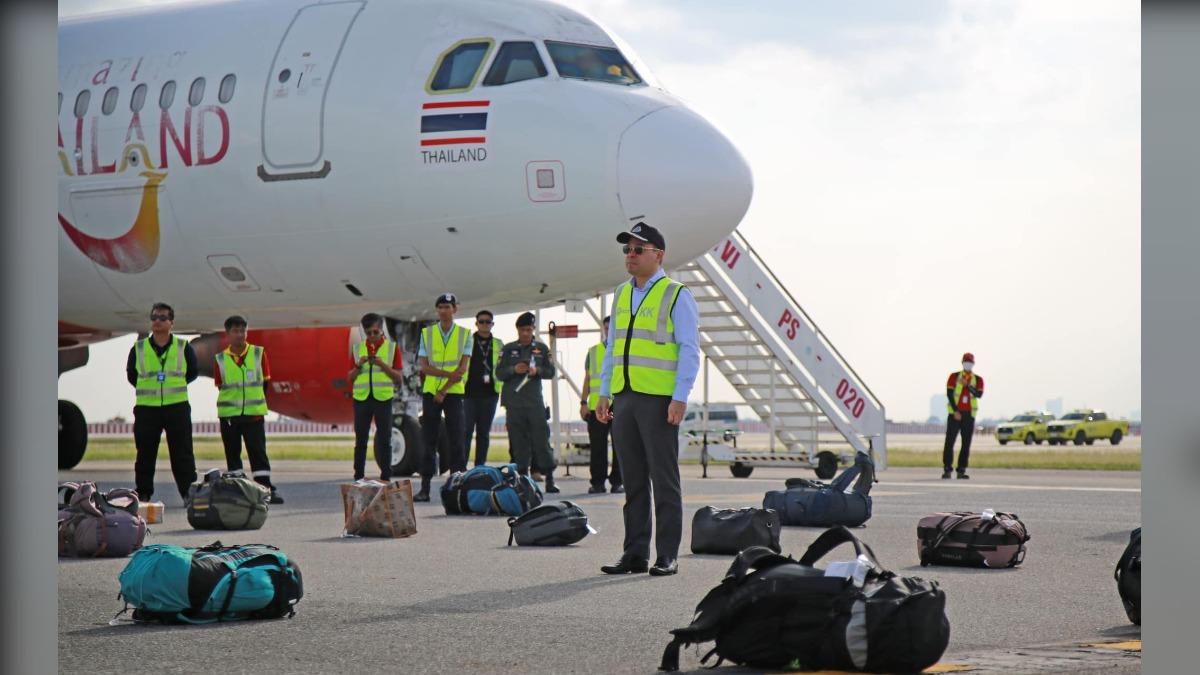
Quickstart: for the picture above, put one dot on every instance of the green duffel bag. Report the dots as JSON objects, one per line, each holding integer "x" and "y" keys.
{"x": 227, "y": 501}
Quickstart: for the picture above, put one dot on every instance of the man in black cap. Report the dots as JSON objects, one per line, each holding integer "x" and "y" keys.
{"x": 522, "y": 367}
{"x": 444, "y": 357}
{"x": 650, "y": 365}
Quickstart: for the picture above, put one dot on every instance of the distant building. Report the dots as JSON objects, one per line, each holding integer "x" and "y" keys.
{"x": 1055, "y": 405}
{"x": 937, "y": 408}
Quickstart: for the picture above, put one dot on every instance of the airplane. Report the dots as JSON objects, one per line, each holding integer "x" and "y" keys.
{"x": 302, "y": 163}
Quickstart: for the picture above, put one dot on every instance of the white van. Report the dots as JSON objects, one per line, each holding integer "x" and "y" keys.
{"x": 722, "y": 422}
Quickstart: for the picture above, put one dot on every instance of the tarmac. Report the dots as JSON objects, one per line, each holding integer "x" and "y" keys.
{"x": 454, "y": 598}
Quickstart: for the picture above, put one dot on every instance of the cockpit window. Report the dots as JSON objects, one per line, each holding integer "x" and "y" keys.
{"x": 458, "y": 67}
{"x": 586, "y": 62}
{"x": 514, "y": 62}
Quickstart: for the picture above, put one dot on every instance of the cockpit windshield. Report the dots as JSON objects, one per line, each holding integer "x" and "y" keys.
{"x": 587, "y": 62}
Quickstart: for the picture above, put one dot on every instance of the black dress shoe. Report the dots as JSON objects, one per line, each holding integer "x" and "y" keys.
{"x": 275, "y": 498}
{"x": 616, "y": 489}
{"x": 664, "y": 566}
{"x": 626, "y": 565}
{"x": 421, "y": 496}
{"x": 963, "y": 474}
{"x": 596, "y": 489}
{"x": 946, "y": 473}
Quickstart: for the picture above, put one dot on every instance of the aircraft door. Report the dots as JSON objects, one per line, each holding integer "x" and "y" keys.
{"x": 294, "y": 97}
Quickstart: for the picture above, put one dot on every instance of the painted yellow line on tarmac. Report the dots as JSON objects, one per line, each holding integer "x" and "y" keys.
{"x": 1127, "y": 645}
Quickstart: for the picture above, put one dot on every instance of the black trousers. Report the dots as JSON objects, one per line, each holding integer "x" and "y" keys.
{"x": 479, "y": 413}
{"x": 598, "y": 433}
{"x": 529, "y": 439}
{"x": 648, "y": 448}
{"x": 149, "y": 423}
{"x": 234, "y": 430}
{"x": 965, "y": 427}
{"x": 381, "y": 412}
{"x": 431, "y": 424}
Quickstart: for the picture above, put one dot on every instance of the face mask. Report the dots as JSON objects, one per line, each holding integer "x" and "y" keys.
{"x": 967, "y": 366}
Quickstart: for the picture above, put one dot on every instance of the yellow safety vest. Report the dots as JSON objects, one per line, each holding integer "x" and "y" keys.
{"x": 241, "y": 391}
{"x": 444, "y": 355}
{"x": 497, "y": 347}
{"x": 372, "y": 381}
{"x": 595, "y": 364}
{"x": 163, "y": 381}
{"x": 958, "y": 389}
{"x": 645, "y": 352}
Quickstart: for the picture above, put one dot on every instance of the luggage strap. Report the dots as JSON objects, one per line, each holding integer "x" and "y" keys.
{"x": 834, "y": 537}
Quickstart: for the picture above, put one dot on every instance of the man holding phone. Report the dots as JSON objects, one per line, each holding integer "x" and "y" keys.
{"x": 375, "y": 370}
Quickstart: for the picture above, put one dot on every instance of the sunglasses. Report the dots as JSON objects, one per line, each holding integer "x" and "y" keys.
{"x": 160, "y": 317}
{"x": 374, "y": 333}
{"x": 637, "y": 249}
{"x": 482, "y": 322}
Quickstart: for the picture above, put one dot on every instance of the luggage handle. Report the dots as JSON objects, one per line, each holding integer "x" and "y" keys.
{"x": 754, "y": 558}
{"x": 831, "y": 539}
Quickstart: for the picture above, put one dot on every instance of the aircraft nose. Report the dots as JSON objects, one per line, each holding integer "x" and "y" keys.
{"x": 680, "y": 174}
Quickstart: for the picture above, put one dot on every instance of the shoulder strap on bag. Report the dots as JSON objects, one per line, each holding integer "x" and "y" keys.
{"x": 831, "y": 539}
{"x": 754, "y": 558}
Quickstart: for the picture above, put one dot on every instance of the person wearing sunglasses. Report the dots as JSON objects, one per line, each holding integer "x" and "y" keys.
{"x": 375, "y": 372}
{"x": 160, "y": 367}
{"x": 650, "y": 364}
{"x": 483, "y": 387}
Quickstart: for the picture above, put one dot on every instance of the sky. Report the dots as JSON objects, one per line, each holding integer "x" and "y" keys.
{"x": 930, "y": 178}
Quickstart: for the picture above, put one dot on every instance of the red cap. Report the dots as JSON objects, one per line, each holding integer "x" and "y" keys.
{"x": 969, "y": 357}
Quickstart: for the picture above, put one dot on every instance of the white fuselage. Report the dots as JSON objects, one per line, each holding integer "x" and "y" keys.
{"x": 275, "y": 203}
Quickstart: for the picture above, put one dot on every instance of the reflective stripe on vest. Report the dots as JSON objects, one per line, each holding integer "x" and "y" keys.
{"x": 497, "y": 347}
{"x": 444, "y": 355}
{"x": 172, "y": 388}
{"x": 595, "y": 364}
{"x": 645, "y": 354}
{"x": 241, "y": 391}
{"x": 958, "y": 389}
{"x": 372, "y": 382}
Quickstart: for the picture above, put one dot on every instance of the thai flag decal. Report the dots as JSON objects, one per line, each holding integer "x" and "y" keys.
{"x": 454, "y": 123}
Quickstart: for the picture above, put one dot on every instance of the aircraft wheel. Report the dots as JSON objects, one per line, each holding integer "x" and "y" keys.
{"x": 740, "y": 470}
{"x": 72, "y": 435}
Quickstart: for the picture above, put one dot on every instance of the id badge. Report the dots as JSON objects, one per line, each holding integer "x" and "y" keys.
{"x": 162, "y": 377}
{"x": 487, "y": 378}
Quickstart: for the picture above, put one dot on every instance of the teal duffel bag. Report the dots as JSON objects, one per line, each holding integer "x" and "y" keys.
{"x": 177, "y": 584}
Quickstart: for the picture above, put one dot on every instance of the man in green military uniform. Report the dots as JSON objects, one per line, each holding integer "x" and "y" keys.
{"x": 522, "y": 367}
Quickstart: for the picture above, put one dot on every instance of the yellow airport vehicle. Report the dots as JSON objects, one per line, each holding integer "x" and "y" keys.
{"x": 1086, "y": 425}
{"x": 1029, "y": 427}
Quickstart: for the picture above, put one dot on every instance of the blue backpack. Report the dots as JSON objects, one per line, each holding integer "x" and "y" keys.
{"x": 812, "y": 503}
{"x": 487, "y": 490}
{"x": 177, "y": 584}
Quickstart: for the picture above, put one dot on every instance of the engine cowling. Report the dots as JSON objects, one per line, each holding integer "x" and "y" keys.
{"x": 308, "y": 369}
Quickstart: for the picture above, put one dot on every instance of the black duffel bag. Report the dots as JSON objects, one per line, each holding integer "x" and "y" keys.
{"x": 771, "y": 611}
{"x": 728, "y": 531}
{"x": 1129, "y": 577}
{"x": 550, "y": 524}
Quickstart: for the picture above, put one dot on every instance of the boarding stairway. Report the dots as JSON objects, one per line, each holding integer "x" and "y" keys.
{"x": 755, "y": 334}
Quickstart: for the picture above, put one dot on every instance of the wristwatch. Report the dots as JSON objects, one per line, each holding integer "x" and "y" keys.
{"x": 583, "y": 402}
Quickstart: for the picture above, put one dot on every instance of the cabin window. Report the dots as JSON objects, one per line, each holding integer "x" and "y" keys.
{"x": 138, "y": 99}
{"x": 226, "y": 91}
{"x": 167, "y": 96}
{"x": 587, "y": 62}
{"x": 81, "y": 102}
{"x": 196, "y": 92}
{"x": 458, "y": 67}
{"x": 110, "y": 101}
{"x": 516, "y": 61}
